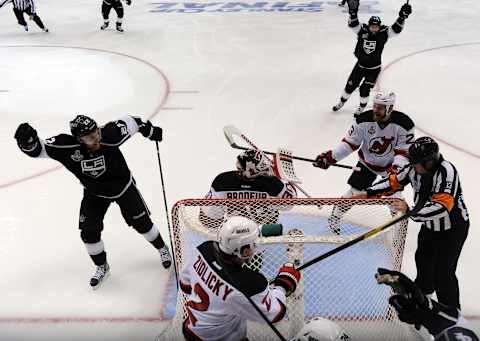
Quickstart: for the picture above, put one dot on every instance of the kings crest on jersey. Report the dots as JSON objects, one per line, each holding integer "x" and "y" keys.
{"x": 104, "y": 172}
{"x": 380, "y": 145}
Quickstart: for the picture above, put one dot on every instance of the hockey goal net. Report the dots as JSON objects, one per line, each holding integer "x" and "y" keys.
{"x": 341, "y": 288}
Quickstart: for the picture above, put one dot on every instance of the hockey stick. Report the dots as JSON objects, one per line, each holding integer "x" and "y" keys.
{"x": 230, "y": 131}
{"x": 366, "y": 235}
{"x": 166, "y": 210}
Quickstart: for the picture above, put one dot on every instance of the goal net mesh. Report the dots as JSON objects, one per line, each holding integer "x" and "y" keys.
{"x": 341, "y": 288}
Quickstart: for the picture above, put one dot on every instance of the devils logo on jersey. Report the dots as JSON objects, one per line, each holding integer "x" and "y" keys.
{"x": 94, "y": 167}
{"x": 381, "y": 145}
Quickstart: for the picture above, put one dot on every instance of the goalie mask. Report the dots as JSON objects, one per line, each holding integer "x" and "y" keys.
{"x": 238, "y": 236}
{"x": 252, "y": 164}
{"x": 320, "y": 329}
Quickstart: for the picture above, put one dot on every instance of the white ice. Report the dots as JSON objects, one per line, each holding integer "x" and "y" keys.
{"x": 274, "y": 75}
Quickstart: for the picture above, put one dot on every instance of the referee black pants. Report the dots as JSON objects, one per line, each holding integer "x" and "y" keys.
{"x": 436, "y": 259}
{"x": 21, "y": 19}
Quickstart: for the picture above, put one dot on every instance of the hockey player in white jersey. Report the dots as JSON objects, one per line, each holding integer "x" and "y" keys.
{"x": 217, "y": 286}
{"x": 382, "y": 136}
{"x": 253, "y": 179}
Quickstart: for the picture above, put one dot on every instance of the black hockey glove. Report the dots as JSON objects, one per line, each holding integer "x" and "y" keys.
{"x": 150, "y": 131}
{"x": 128, "y": 2}
{"x": 26, "y": 137}
{"x": 405, "y": 11}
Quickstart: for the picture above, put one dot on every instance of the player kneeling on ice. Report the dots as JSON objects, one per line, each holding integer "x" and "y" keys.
{"x": 320, "y": 329}
{"x": 93, "y": 155}
{"x": 218, "y": 287}
{"x": 382, "y": 136}
{"x": 443, "y": 322}
{"x": 253, "y": 179}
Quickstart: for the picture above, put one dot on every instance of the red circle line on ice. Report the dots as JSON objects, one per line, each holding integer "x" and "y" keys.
{"x": 157, "y": 109}
{"x": 412, "y": 54}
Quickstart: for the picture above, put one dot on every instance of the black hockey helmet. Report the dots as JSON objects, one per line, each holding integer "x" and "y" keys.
{"x": 374, "y": 20}
{"x": 82, "y": 125}
{"x": 252, "y": 164}
{"x": 422, "y": 150}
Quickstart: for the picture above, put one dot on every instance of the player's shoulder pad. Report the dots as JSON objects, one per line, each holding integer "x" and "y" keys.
{"x": 226, "y": 181}
{"x": 243, "y": 279}
{"x": 401, "y": 119}
{"x": 364, "y": 117}
{"x": 62, "y": 141}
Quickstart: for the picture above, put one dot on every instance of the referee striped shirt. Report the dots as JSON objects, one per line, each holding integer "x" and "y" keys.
{"x": 445, "y": 208}
{"x": 20, "y": 4}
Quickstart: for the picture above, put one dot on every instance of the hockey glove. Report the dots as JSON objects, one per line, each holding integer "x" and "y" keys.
{"x": 128, "y": 2}
{"x": 287, "y": 278}
{"x": 324, "y": 160}
{"x": 26, "y": 136}
{"x": 408, "y": 300}
{"x": 150, "y": 131}
{"x": 405, "y": 11}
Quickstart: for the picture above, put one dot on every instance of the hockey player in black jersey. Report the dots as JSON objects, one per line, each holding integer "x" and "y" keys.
{"x": 371, "y": 39}
{"x": 117, "y": 5}
{"x": 253, "y": 179}
{"x": 443, "y": 322}
{"x": 93, "y": 155}
{"x": 444, "y": 217}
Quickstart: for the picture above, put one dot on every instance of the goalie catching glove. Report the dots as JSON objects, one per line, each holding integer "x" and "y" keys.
{"x": 287, "y": 278}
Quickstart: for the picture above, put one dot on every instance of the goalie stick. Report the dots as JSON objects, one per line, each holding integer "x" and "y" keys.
{"x": 278, "y": 162}
{"x": 230, "y": 131}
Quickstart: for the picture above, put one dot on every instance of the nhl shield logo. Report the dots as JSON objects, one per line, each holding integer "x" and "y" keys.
{"x": 77, "y": 156}
{"x": 369, "y": 46}
{"x": 371, "y": 130}
{"x": 94, "y": 167}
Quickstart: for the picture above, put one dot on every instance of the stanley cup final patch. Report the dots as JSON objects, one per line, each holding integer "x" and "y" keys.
{"x": 94, "y": 167}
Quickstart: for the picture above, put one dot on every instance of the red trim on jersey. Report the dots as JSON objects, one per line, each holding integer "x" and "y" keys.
{"x": 187, "y": 333}
{"x": 353, "y": 146}
{"x": 373, "y": 167}
{"x": 400, "y": 152}
{"x": 281, "y": 313}
{"x": 186, "y": 288}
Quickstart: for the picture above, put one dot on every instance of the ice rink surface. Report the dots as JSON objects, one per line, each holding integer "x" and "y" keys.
{"x": 193, "y": 68}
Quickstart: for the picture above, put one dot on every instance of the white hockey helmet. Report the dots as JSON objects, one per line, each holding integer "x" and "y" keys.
{"x": 252, "y": 164}
{"x": 237, "y": 233}
{"x": 386, "y": 98}
{"x": 320, "y": 329}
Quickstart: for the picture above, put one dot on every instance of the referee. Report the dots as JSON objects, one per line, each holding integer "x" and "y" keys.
{"x": 25, "y": 6}
{"x": 444, "y": 217}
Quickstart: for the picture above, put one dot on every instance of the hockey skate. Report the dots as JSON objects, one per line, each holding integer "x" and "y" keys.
{"x": 101, "y": 273}
{"x": 165, "y": 256}
{"x": 25, "y": 27}
{"x": 338, "y": 106}
{"x": 104, "y": 26}
{"x": 119, "y": 27}
{"x": 359, "y": 110}
{"x": 45, "y": 30}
